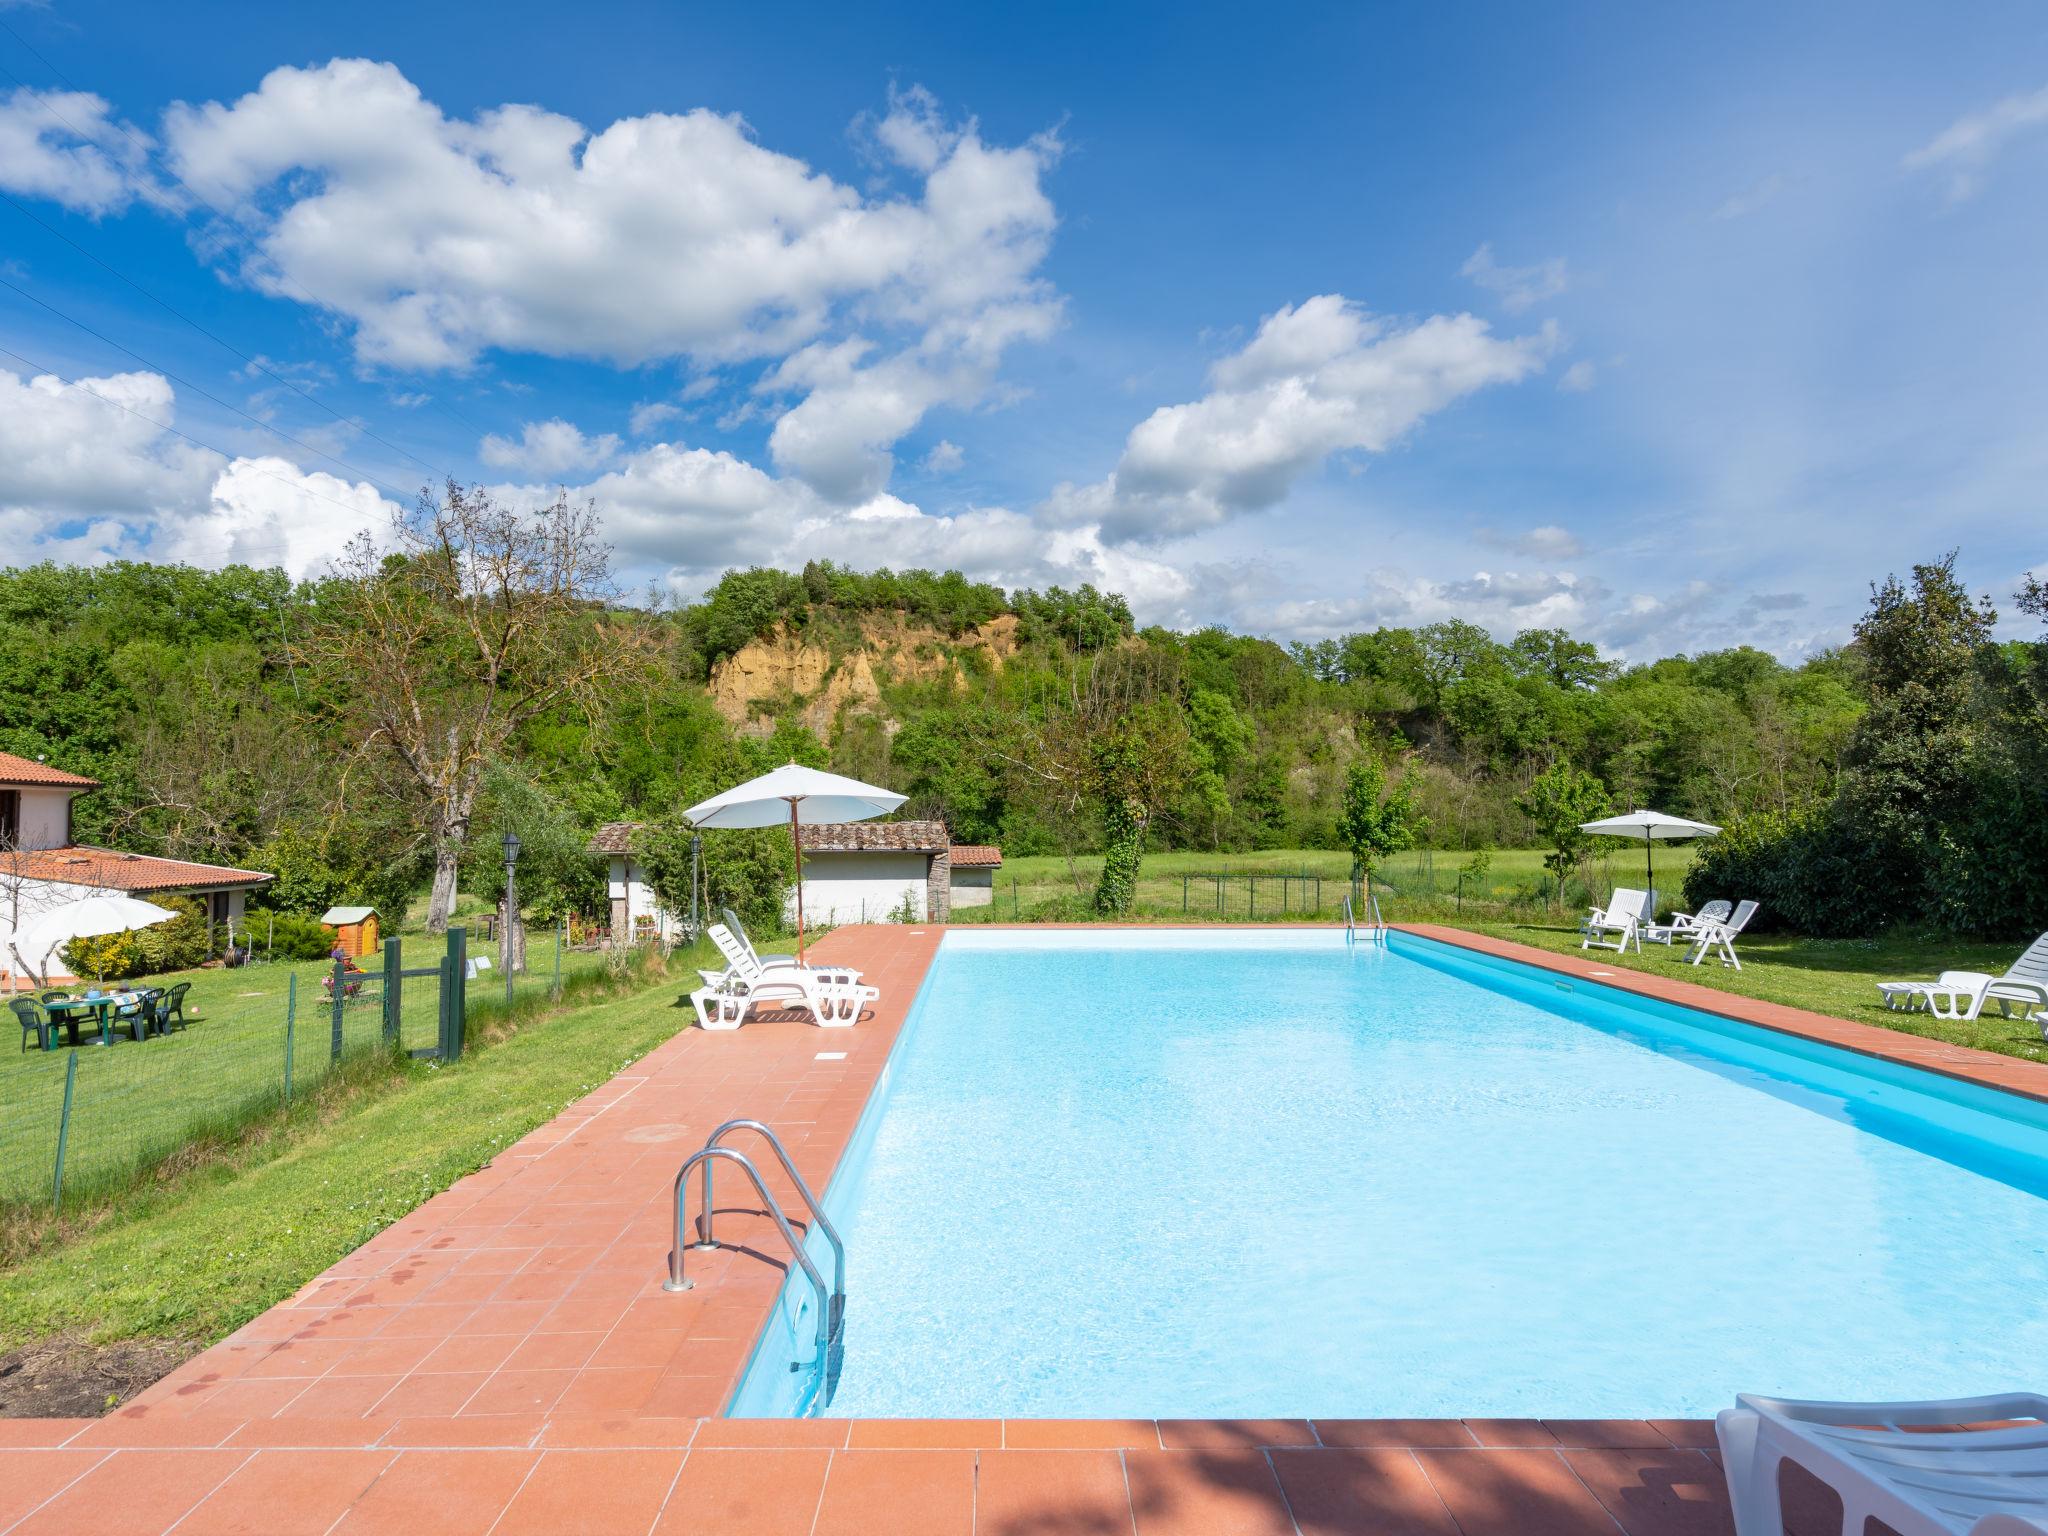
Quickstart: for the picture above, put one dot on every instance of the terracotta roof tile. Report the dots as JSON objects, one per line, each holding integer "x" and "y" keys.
{"x": 26, "y": 770}
{"x": 877, "y": 837}
{"x": 614, "y": 837}
{"x": 107, "y": 870}
{"x": 976, "y": 856}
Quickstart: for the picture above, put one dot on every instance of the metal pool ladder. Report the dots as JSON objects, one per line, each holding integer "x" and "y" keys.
{"x": 832, "y": 1301}
{"x": 1375, "y": 933}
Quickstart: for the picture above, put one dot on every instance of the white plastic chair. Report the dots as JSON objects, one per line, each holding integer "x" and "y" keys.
{"x": 1721, "y": 936}
{"x": 1623, "y": 916}
{"x": 724, "y": 1001}
{"x": 1963, "y": 994}
{"x": 1686, "y": 924}
{"x": 1885, "y": 1464}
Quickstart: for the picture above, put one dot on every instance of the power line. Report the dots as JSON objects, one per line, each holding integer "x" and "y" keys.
{"x": 205, "y": 393}
{"x": 252, "y": 362}
{"x": 207, "y": 203}
{"x": 298, "y": 485}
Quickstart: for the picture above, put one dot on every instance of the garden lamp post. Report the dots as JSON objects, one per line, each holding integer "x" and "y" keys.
{"x": 507, "y": 947}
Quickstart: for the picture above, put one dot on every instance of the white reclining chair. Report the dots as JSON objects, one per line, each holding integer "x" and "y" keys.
{"x": 1684, "y": 925}
{"x": 1885, "y": 1464}
{"x": 726, "y": 998}
{"x": 1963, "y": 994}
{"x": 1623, "y": 916}
{"x": 1720, "y": 935}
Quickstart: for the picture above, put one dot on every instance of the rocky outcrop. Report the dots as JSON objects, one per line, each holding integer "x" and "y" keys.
{"x": 802, "y": 673}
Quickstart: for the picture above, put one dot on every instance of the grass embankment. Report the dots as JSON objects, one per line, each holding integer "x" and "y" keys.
{"x": 1833, "y": 976}
{"x": 140, "y": 1104}
{"x": 194, "y": 1255}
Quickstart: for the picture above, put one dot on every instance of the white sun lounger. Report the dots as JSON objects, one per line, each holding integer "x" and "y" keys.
{"x": 839, "y": 973}
{"x": 1963, "y": 994}
{"x": 1687, "y": 924}
{"x": 1622, "y": 916}
{"x": 1720, "y": 935}
{"x": 1883, "y": 1462}
{"x": 725, "y": 1000}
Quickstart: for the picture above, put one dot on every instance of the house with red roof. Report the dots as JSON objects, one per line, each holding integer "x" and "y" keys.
{"x": 42, "y": 867}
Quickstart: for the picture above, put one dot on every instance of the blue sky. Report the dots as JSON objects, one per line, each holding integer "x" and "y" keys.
{"x": 1676, "y": 328}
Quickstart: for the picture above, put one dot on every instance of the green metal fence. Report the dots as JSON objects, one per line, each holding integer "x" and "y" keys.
{"x": 78, "y": 1120}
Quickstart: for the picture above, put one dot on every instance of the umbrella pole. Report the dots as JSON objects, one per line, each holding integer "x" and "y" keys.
{"x": 797, "y": 843}
{"x": 1649, "y": 874}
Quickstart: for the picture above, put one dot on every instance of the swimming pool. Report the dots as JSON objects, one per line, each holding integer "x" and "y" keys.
{"x": 1242, "y": 1173}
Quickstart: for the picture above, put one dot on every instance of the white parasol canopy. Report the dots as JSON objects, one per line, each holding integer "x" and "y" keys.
{"x": 1648, "y": 825}
{"x": 87, "y": 918}
{"x": 802, "y": 797}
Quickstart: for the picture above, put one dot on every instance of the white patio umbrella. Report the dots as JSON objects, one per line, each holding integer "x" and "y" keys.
{"x": 801, "y": 796}
{"x": 87, "y": 918}
{"x": 1648, "y": 825}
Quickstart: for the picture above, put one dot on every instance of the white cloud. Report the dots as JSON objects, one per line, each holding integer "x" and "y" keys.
{"x": 67, "y": 147}
{"x": 1319, "y": 378}
{"x": 1966, "y": 148}
{"x": 1747, "y": 201}
{"x": 656, "y": 236}
{"x": 87, "y": 473}
{"x": 944, "y": 458}
{"x": 1578, "y": 378}
{"x": 649, "y": 415}
{"x": 552, "y": 447}
{"x": 95, "y": 447}
{"x": 1548, "y": 542}
{"x": 1517, "y": 287}
{"x": 267, "y": 511}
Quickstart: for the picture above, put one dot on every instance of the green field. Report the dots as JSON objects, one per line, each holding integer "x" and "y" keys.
{"x": 1309, "y": 882}
{"x": 1836, "y": 976}
{"x": 192, "y": 1257}
{"x": 249, "y": 1043}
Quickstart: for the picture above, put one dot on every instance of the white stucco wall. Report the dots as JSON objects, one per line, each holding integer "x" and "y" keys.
{"x": 973, "y": 887}
{"x": 43, "y": 818}
{"x": 860, "y": 887}
{"x": 629, "y": 880}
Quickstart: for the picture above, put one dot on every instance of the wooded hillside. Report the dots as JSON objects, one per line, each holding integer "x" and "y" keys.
{"x": 194, "y": 696}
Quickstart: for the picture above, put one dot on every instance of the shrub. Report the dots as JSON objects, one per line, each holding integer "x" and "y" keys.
{"x": 289, "y": 936}
{"x": 1803, "y": 869}
{"x": 177, "y": 945}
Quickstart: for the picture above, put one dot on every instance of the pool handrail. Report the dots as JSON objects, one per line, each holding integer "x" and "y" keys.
{"x": 706, "y": 1211}
{"x": 679, "y": 1281}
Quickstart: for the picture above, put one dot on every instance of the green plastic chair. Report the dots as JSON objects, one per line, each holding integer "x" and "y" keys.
{"x": 34, "y": 1021}
{"x": 173, "y": 1007}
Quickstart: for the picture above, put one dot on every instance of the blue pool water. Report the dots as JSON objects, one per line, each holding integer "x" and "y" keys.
{"x": 1251, "y": 1174}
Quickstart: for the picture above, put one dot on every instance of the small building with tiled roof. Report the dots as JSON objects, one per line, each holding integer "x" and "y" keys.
{"x": 974, "y": 873}
{"x": 877, "y": 872}
{"x": 854, "y": 872}
{"x": 637, "y": 914}
{"x": 41, "y": 867}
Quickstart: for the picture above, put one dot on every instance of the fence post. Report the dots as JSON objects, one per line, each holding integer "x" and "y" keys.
{"x": 340, "y": 1001}
{"x": 1251, "y": 906}
{"x": 291, "y": 1008}
{"x": 63, "y": 1130}
{"x": 455, "y": 1020}
{"x": 1183, "y": 894}
{"x": 561, "y": 938}
{"x": 394, "y": 989}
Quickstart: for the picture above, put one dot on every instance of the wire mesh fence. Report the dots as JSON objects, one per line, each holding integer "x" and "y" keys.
{"x": 79, "y": 1120}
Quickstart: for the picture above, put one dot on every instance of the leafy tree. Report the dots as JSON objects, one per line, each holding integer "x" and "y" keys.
{"x": 1374, "y": 821}
{"x": 488, "y": 618}
{"x": 1557, "y": 801}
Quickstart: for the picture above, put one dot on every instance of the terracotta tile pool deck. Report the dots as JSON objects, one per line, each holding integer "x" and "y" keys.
{"x": 503, "y": 1360}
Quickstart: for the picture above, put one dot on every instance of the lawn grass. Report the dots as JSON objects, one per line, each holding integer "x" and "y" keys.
{"x": 1833, "y": 976}
{"x": 138, "y": 1102}
{"x": 192, "y": 1257}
